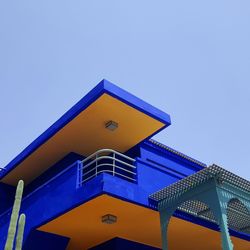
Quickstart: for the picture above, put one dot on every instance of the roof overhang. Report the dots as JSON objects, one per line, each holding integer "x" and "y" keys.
{"x": 82, "y": 130}
{"x": 140, "y": 224}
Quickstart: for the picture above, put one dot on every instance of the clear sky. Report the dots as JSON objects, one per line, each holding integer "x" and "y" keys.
{"x": 188, "y": 58}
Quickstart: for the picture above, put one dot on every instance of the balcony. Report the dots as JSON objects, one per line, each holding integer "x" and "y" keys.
{"x": 107, "y": 161}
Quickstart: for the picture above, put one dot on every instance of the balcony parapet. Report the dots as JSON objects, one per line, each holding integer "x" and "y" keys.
{"x": 107, "y": 161}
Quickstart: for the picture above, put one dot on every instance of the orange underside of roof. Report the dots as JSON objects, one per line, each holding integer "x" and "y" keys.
{"x": 86, "y": 133}
{"x": 83, "y": 225}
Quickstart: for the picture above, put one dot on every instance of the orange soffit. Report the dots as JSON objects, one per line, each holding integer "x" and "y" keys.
{"x": 136, "y": 223}
{"x": 87, "y": 133}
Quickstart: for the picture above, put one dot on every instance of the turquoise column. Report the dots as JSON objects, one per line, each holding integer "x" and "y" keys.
{"x": 217, "y": 201}
{"x": 212, "y": 186}
{"x": 164, "y": 230}
{"x": 219, "y": 207}
{"x": 165, "y": 216}
{"x": 225, "y": 237}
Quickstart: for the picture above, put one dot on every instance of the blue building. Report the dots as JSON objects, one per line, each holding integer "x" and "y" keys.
{"x": 89, "y": 178}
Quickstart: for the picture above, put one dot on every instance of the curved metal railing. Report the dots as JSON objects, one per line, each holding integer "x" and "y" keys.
{"x": 108, "y": 161}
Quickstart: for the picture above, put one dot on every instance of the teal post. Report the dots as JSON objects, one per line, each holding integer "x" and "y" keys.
{"x": 165, "y": 219}
{"x": 223, "y": 200}
{"x": 217, "y": 200}
{"x": 164, "y": 230}
{"x": 225, "y": 237}
{"x": 165, "y": 216}
{"x": 213, "y": 186}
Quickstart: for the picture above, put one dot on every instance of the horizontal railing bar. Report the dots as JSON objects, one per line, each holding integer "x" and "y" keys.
{"x": 108, "y": 150}
{"x": 125, "y": 163}
{"x": 107, "y": 158}
{"x": 123, "y": 169}
{"x": 90, "y": 156}
{"x": 124, "y": 156}
{"x": 92, "y": 176}
{"x": 102, "y": 171}
{"x": 133, "y": 179}
{"x": 109, "y": 171}
{"x": 91, "y": 170}
{"x": 100, "y": 165}
{"x": 108, "y": 164}
{"x": 110, "y": 158}
{"x": 96, "y": 159}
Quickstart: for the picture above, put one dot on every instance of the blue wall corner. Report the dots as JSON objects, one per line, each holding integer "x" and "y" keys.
{"x": 7, "y": 194}
{"x": 38, "y": 240}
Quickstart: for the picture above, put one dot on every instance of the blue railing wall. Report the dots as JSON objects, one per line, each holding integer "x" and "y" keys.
{"x": 157, "y": 169}
{"x": 58, "y": 191}
{"x": 62, "y": 192}
{"x": 107, "y": 161}
{"x": 52, "y": 171}
{"x": 51, "y": 199}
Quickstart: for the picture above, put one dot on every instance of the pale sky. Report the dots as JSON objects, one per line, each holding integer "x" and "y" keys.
{"x": 188, "y": 58}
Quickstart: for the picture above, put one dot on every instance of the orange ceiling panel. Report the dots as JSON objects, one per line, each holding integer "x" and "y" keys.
{"x": 83, "y": 225}
{"x": 86, "y": 133}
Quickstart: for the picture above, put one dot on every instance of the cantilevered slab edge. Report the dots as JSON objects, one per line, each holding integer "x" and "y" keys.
{"x": 103, "y": 87}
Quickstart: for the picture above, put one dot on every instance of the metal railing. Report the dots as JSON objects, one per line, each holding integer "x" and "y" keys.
{"x": 107, "y": 161}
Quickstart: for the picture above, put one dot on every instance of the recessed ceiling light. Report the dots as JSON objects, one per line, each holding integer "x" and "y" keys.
{"x": 109, "y": 219}
{"x": 111, "y": 125}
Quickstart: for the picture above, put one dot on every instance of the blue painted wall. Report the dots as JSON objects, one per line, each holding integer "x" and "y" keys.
{"x": 53, "y": 171}
{"x": 39, "y": 240}
{"x": 7, "y": 194}
{"x": 155, "y": 170}
{"x": 49, "y": 200}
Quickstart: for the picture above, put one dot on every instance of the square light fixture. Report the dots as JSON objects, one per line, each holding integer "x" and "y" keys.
{"x": 111, "y": 125}
{"x": 109, "y": 219}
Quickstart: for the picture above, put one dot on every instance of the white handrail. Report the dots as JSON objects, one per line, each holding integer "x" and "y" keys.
{"x": 109, "y": 158}
{"x": 109, "y": 151}
{"x": 95, "y": 164}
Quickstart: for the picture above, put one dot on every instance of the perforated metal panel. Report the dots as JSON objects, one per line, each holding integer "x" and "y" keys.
{"x": 238, "y": 214}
